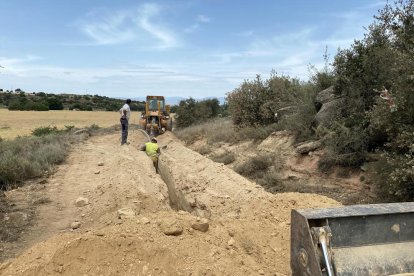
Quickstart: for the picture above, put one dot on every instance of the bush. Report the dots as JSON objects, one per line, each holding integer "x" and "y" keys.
{"x": 29, "y": 157}
{"x": 281, "y": 102}
{"x": 257, "y": 102}
{"x": 344, "y": 146}
{"x": 48, "y": 130}
{"x": 224, "y": 158}
{"x": 204, "y": 149}
{"x": 94, "y": 127}
{"x": 271, "y": 182}
{"x": 255, "y": 167}
{"x": 222, "y": 130}
{"x": 383, "y": 60}
{"x": 190, "y": 111}
{"x": 215, "y": 130}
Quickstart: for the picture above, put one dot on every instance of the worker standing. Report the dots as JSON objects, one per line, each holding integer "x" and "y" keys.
{"x": 125, "y": 112}
{"x": 152, "y": 150}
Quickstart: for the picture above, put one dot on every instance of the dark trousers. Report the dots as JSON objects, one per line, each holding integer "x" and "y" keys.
{"x": 124, "y": 128}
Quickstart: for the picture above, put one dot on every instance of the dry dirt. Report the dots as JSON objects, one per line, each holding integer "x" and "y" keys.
{"x": 249, "y": 228}
{"x": 298, "y": 172}
{"x": 20, "y": 123}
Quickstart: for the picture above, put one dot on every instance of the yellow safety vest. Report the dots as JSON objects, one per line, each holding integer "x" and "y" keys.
{"x": 151, "y": 148}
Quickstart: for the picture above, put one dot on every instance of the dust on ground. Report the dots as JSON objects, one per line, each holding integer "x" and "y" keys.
{"x": 248, "y": 228}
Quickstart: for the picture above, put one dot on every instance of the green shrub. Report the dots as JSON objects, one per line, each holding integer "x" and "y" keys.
{"x": 271, "y": 182}
{"x": 94, "y": 127}
{"x": 29, "y": 157}
{"x": 344, "y": 146}
{"x": 215, "y": 130}
{"x": 69, "y": 127}
{"x": 42, "y": 131}
{"x": 394, "y": 173}
{"x": 204, "y": 149}
{"x": 190, "y": 111}
{"x": 255, "y": 166}
{"x": 221, "y": 130}
{"x": 225, "y": 158}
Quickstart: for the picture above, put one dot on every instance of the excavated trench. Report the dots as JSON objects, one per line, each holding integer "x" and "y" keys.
{"x": 177, "y": 198}
{"x": 248, "y": 230}
{"x": 200, "y": 186}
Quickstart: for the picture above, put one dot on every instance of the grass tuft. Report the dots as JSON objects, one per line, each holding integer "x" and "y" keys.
{"x": 29, "y": 157}
{"x": 225, "y": 158}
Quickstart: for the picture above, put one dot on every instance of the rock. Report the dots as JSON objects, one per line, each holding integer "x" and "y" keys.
{"x": 75, "y": 225}
{"x": 145, "y": 220}
{"x": 126, "y": 213}
{"x": 308, "y": 147}
{"x": 81, "y": 201}
{"x": 97, "y": 172}
{"x": 201, "y": 225}
{"x": 324, "y": 97}
{"x": 261, "y": 272}
{"x": 171, "y": 227}
{"x": 231, "y": 242}
{"x": 100, "y": 163}
{"x": 328, "y": 112}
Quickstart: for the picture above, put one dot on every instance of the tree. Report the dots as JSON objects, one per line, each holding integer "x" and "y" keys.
{"x": 55, "y": 103}
{"x": 186, "y": 113}
{"x": 383, "y": 60}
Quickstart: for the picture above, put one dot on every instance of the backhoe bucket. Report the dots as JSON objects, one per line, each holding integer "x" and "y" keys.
{"x": 375, "y": 239}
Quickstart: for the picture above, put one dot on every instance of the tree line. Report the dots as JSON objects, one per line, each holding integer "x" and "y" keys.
{"x": 44, "y": 101}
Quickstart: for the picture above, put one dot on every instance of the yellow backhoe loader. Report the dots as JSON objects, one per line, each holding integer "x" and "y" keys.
{"x": 156, "y": 119}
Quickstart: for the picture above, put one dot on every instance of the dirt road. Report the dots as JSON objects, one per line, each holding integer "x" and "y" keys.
{"x": 141, "y": 223}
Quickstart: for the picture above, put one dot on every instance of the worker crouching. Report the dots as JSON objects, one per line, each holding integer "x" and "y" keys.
{"x": 153, "y": 151}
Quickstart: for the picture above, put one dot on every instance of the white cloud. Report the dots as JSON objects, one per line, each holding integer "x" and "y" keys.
{"x": 192, "y": 28}
{"x": 110, "y": 29}
{"x": 149, "y": 11}
{"x": 203, "y": 18}
{"x": 245, "y": 34}
{"x": 124, "y": 26}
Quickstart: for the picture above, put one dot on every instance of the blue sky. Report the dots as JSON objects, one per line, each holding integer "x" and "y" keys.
{"x": 184, "y": 48}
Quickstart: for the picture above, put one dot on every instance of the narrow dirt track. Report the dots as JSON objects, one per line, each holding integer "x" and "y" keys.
{"x": 248, "y": 228}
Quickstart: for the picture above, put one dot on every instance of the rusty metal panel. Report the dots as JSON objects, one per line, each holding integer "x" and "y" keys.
{"x": 304, "y": 260}
{"x": 375, "y": 260}
{"x": 358, "y": 210}
{"x": 366, "y": 240}
{"x": 375, "y": 229}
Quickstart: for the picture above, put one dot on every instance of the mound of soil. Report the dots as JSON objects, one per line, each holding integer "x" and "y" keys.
{"x": 248, "y": 228}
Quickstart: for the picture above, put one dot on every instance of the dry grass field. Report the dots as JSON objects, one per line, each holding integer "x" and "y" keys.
{"x": 20, "y": 123}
